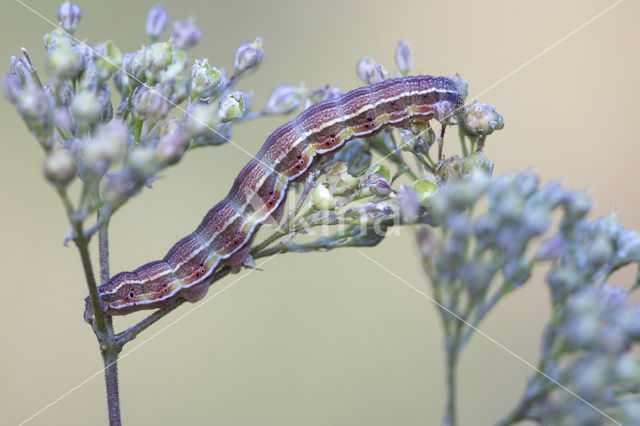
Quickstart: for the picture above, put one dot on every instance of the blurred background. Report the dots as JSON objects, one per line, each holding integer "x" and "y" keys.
{"x": 318, "y": 338}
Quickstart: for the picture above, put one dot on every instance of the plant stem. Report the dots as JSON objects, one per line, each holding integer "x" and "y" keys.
{"x": 103, "y": 244}
{"x": 452, "y": 362}
{"x": 110, "y": 359}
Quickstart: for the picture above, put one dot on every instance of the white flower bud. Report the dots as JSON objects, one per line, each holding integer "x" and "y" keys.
{"x": 248, "y": 56}
{"x": 185, "y": 34}
{"x": 404, "y": 58}
{"x": 60, "y": 167}
{"x": 284, "y": 99}
{"x": 86, "y": 108}
{"x": 481, "y": 119}
{"x": 321, "y": 198}
{"x": 157, "y": 19}
{"x": 364, "y": 67}
{"x": 170, "y": 148}
{"x": 64, "y": 62}
{"x": 69, "y": 15}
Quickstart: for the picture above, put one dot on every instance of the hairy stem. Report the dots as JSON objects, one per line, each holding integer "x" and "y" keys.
{"x": 110, "y": 359}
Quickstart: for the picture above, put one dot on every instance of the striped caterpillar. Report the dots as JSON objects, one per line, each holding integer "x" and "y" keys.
{"x": 224, "y": 236}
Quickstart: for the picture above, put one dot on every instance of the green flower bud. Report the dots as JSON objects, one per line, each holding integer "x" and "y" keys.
{"x": 108, "y": 59}
{"x": 86, "y": 108}
{"x": 64, "y": 62}
{"x": 156, "y": 58}
{"x": 481, "y": 119}
{"x": 11, "y": 87}
{"x": 248, "y": 57}
{"x": 69, "y": 15}
{"x": 477, "y": 161}
{"x": 449, "y": 169}
{"x": 157, "y": 19}
{"x": 231, "y": 107}
{"x": 321, "y": 198}
{"x": 339, "y": 179}
{"x": 284, "y": 99}
{"x": 57, "y": 38}
{"x": 403, "y": 57}
{"x": 205, "y": 79}
{"x": 36, "y": 108}
{"x": 170, "y": 148}
{"x": 60, "y": 167}
{"x": 364, "y": 68}
{"x": 185, "y": 34}
{"x": 418, "y": 140}
{"x": 424, "y": 190}
{"x": 377, "y": 184}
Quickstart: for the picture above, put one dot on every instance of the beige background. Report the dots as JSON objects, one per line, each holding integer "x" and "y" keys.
{"x": 314, "y": 339}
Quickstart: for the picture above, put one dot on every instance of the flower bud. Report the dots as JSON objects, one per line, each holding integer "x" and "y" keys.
{"x": 403, "y": 57}
{"x": 185, "y": 34}
{"x": 339, "y": 179}
{"x": 364, "y": 67}
{"x": 377, "y": 74}
{"x": 552, "y": 248}
{"x": 321, "y": 198}
{"x": 142, "y": 161}
{"x": 62, "y": 119}
{"x": 218, "y": 135}
{"x": 577, "y": 204}
{"x": 157, "y": 19}
{"x": 248, "y": 56}
{"x": 231, "y": 107}
{"x": 461, "y": 84}
{"x": 599, "y": 251}
{"x": 149, "y": 103}
{"x": 477, "y": 161}
{"x": 481, "y": 119}
{"x": 419, "y": 139}
{"x": 86, "y": 108}
{"x": 69, "y": 15}
{"x": 21, "y": 68}
{"x": 64, "y": 62}
{"x": 116, "y": 186}
{"x": 628, "y": 243}
{"x": 36, "y": 108}
{"x": 449, "y": 169}
{"x": 284, "y": 99}
{"x": 205, "y": 79}
{"x": 424, "y": 190}
{"x": 106, "y": 146}
{"x": 408, "y": 203}
{"x": 199, "y": 119}
{"x": 156, "y": 58}
{"x": 11, "y": 87}
{"x": 133, "y": 64}
{"x": 170, "y": 148}
{"x": 377, "y": 184}
{"x": 60, "y": 167}
{"x": 323, "y": 93}
{"x": 108, "y": 59}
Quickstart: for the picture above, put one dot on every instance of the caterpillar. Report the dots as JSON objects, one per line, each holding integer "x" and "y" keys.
{"x": 224, "y": 236}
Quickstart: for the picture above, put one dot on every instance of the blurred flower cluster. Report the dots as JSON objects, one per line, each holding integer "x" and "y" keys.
{"x": 485, "y": 237}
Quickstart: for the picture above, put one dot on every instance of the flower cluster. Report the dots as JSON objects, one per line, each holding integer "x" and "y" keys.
{"x": 480, "y": 247}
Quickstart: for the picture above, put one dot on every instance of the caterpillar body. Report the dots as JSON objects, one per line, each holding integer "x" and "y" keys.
{"x": 224, "y": 235}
